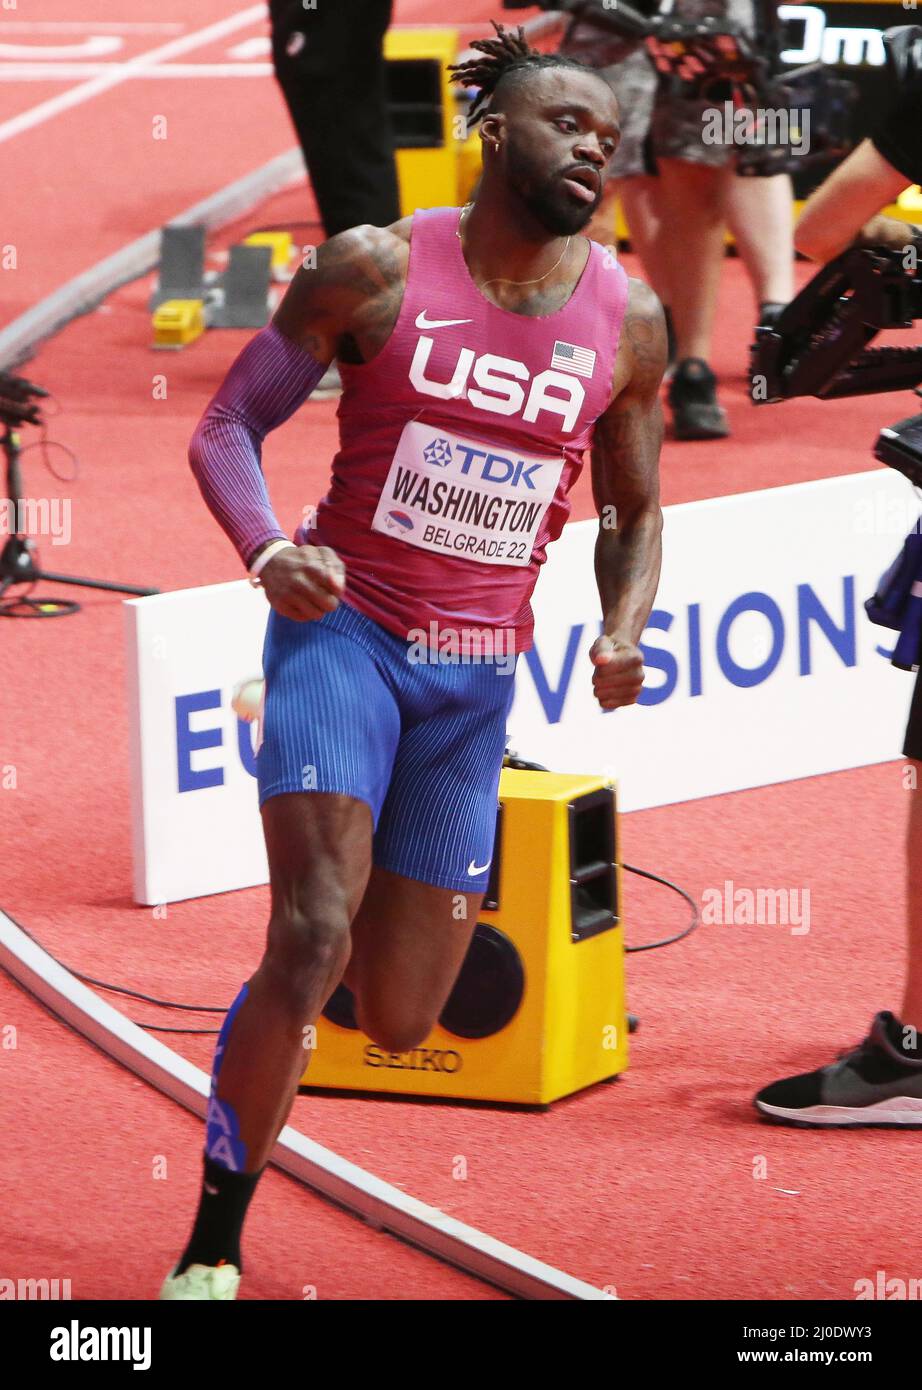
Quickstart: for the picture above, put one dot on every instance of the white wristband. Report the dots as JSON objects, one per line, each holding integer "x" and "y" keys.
{"x": 264, "y": 557}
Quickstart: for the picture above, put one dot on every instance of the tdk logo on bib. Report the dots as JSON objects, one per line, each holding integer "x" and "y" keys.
{"x": 497, "y": 387}
{"x": 460, "y": 497}
{"x": 497, "y": 468}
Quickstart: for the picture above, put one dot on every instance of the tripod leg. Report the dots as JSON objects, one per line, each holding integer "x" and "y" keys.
{"x": 93, "y": 583}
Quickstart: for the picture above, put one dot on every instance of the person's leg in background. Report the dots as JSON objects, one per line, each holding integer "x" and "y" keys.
{"x": 330, "y": 65}
{"x": 760, "y": 214}
{"x": 642, "y": 204}
{"x": 629, "y": 182}
{"x": 692, "y": 249}
{"x": 696, "y": 176}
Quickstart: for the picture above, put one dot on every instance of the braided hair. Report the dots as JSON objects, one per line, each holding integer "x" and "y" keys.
{"x": 508, "y": 56}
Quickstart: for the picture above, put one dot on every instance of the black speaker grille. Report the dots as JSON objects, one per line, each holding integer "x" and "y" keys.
{"x": 340, "y": 1008}
{"x": 489, "y": 990}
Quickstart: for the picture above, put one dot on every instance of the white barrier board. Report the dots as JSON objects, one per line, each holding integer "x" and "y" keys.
{"x": 761, "y": 667}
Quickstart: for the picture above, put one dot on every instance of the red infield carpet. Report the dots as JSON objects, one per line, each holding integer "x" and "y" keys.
{"x": 665, "y": 1185}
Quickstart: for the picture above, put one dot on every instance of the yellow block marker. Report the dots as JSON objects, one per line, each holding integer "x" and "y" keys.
{"x": 178, "y": 322}
{"x": 909, "y": 203}
{"x": 280, "y": 245}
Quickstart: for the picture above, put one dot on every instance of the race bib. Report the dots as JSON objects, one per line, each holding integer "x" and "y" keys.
{"x": 461, "y": 497}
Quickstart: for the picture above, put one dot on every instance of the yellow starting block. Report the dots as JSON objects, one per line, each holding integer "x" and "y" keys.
{"x": 178, "y": 322}
{"x": 280, "y": 244}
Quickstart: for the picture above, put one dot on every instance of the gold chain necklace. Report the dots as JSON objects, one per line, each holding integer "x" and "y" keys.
{"x": 500, "y": 280}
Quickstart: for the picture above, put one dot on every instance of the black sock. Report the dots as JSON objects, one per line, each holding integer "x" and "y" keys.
{"x": 219, "y": 1220}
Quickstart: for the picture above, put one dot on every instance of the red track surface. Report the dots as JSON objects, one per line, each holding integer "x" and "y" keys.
{"x": 93, "y": 178}
{"x": 647, "y": 1185}
{"x": 100, "y": 1175}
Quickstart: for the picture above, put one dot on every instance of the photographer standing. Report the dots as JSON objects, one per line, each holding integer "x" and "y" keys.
{"x": 880, "y": 1081}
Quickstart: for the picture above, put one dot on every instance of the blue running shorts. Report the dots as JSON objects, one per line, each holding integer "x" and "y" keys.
{"x": 346, "y": 711}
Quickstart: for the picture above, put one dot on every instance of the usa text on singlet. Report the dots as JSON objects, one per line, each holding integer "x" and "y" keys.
{"x": 460, "y": 442}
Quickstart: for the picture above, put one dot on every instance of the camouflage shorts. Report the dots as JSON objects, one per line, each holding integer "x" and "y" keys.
{"x": 654, "y": 124}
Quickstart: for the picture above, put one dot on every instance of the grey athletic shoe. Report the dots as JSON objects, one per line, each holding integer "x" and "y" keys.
{"x": 877, "y": 1083}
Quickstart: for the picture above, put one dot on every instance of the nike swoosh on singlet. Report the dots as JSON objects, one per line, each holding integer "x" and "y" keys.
{"x": 474, "y": 870}
{"x": 423, "y": 322}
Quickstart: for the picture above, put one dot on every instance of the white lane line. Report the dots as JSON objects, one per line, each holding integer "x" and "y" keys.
{"x": 384, "y": 1206}
{"x": 259, "y": 46}
{"x": 94, "y": 46}
{"x": 87, "y": 26}
{"x": 64, "y": 101}
{"x": 63, "y": 72}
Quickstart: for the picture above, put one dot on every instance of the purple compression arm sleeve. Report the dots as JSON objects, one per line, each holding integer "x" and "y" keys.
{"x": 265, "y": 385}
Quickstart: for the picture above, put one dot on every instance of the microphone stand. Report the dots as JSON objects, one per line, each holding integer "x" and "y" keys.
{"x": 19, "y": 563}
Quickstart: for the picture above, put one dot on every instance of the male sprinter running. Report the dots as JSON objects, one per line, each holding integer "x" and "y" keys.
{"x": 481, "y": 353}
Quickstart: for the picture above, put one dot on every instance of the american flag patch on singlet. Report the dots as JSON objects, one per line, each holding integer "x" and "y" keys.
{"x": 570, "y": 358}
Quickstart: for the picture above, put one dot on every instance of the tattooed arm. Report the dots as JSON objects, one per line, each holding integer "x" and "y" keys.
{"x": 625, "y": 484}
{"x": 347, "y": 305}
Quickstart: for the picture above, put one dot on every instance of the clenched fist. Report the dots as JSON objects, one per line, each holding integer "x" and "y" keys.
{"x": 618, "y": 676}
{"x": 304, "y": 582}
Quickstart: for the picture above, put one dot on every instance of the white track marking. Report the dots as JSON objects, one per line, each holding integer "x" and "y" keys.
{"x": 260, "y": 46}
{"x": 94, "y": 46}
{"x": 63, "y": 72}
{"x": 384, "y": 1206}
{"x": 64, "y": 101}
{"x": 87, "y": 26}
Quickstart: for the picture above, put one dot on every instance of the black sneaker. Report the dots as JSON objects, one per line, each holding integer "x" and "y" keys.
{"x": 693, "y": 399}
{"x": 877, "y": 1083}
